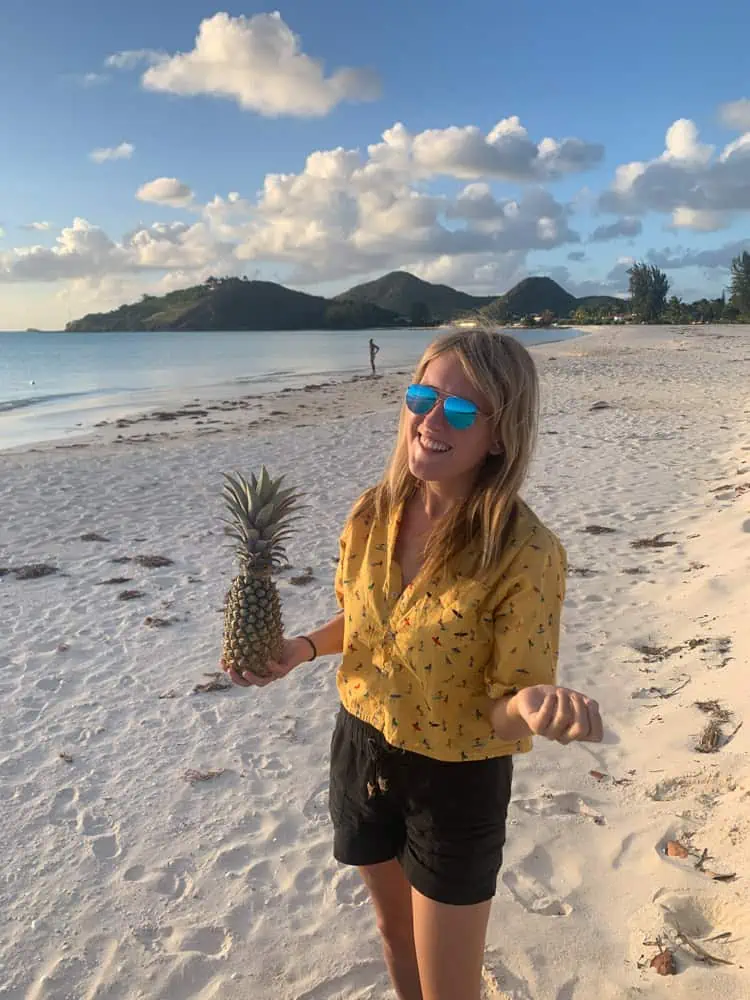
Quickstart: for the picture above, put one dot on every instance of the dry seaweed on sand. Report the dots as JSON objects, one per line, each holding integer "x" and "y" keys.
{"x": 154, "y": 621}
{"x": 219, "y": 682}
{"x": 657, "y": 542}
{"x": 305, "y": 577}
{"x": 714, "y": 709}
{"x": 114, "y": 580}
{"x": 599, "y": 529}
{"x": 130, "y": 595}
{"x": 94, "y": 536}
{"x": 194, "y": 776}
{"x": 710, "y": 738}
{"x": 153, "y": 562}
{"x": 656, "y": 654}
{"x": 34, "y": 571}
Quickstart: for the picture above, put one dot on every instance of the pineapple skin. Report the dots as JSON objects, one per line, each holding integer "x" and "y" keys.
{"x": 261, "y": 514}
{"x": 253, "y": 625}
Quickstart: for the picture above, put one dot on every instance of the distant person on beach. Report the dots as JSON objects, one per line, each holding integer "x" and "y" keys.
{"x": 373, "y": 351}
{"x": 451, "y": 591}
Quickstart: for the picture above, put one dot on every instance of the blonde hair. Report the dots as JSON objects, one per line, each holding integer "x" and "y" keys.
{"x": 503, "y": 372}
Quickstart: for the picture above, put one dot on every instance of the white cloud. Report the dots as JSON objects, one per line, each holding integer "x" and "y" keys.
{"x": 506, "y": 152}
{"x": 682, "y": 146}
{"x": 93, "y": 79}
{"x": 122, "y": 152}
{"x": 717, "y": 258}
{"x": 620, "y": 229}
{"x": 346, "y": 214}
{"x": 686, "y": 178}
{"x": 38, "y": 227}
{"x": 80, "y": 250}
{"x": 83, "y": 251}
{"x": 132, "y": 58}
{"x": 480, "y": 274}
{"x": 165, "y": 191}
{"x": 257, "y": 62}
{"x": 612, "y": 284}
{"x": 700, "y": 220}
{"x": 736, "y": 114}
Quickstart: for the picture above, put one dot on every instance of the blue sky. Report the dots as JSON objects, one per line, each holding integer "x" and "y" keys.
{"x": 202, "y": 106}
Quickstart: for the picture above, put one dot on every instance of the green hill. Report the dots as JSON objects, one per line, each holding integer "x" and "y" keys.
{"x": 396, "y": 299}
{"x": 531, "y": 297}
{"x": 237, "y": 304}
{"x": 403, "y": 294}
{"x": 607, "y": 302}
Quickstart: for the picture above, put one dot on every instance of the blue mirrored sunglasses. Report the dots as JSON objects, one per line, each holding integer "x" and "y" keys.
{"x": 460, "y": 413}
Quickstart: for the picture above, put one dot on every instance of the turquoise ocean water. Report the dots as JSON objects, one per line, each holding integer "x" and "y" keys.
{"x": 53, "y": 385}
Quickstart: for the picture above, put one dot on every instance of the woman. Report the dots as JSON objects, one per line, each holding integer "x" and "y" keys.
{"x": 451, "y": 592}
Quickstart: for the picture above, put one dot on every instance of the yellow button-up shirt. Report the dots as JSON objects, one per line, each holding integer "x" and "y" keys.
{"x": 421, "y": 663}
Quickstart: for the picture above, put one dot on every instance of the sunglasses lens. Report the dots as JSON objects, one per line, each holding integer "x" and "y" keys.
{"x": 420, "y": 398}
{"x": 460, "y": 413}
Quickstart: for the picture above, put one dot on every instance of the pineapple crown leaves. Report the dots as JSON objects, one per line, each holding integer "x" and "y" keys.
{"x": 261, "y": 515}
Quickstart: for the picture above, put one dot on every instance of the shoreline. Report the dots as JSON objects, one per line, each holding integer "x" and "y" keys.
{"x": 81, "y": 415}
{"x": 125, "y": 877}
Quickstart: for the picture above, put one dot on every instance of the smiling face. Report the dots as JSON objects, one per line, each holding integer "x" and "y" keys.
{"x": 441, "y": 454}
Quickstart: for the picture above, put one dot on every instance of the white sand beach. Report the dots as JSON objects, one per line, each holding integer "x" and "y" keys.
{"x": 167, "y": 844}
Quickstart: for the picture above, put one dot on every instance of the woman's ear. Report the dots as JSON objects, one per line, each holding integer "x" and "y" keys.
{"x": 496, "y": 448}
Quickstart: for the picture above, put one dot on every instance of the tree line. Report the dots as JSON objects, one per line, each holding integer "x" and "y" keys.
{"x": 650, "y": 301}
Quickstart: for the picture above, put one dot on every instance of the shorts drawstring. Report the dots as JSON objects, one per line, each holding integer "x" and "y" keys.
{"x": 376, "y": 782}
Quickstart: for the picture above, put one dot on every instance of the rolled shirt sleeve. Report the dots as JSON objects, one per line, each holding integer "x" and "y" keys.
{"x": 527, "y": 619}
{"x": 341, "y": 567}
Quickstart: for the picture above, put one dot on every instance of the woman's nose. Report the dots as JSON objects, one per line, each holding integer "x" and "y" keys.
{"x": 436, "y": 417}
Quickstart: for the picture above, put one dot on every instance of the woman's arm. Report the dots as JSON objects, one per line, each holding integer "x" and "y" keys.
{"x": 328, "y": 639}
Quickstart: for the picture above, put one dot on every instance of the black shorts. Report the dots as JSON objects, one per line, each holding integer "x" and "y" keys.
{"x": 443, "y": 820}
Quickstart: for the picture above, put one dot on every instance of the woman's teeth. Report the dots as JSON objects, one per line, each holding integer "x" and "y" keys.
{"x": 436, "y": 446}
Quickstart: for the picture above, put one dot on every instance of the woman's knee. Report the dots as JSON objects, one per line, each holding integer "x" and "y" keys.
{"x": 391, "y": 897}
{"x": 396, "y": 928}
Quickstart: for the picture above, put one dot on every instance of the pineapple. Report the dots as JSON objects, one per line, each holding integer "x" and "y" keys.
{"x": 261, "y": 515}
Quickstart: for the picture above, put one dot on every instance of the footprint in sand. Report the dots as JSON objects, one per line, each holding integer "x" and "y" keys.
{"x": 706, "y": 785}
{"x": 234, "y": 859}
{"x": 215, "y": 941}
{"x": 533, "y": 896}
{"x": 92, "y": 972}
{"x": 316, "y": 806}
{"x": 64, "y": 810}
{"x": 48, "y": 683}
{"x": 717, "y": 921}
{"x": 106, "y": 848}
{"x": 349, "y": 888}
{"x": 491, "y": 988}
{"x": 172, "y": 881}
{"x": 366, "y": 981}
{"x": 560, "y": 804}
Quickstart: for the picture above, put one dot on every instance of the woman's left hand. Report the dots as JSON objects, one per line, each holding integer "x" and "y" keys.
{"x": 558, "y": 713}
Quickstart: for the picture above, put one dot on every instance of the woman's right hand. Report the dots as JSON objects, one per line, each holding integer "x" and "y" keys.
{"x": 293, "y": 652}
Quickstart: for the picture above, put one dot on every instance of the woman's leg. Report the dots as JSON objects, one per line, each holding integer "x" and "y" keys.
{"x": 449, "y": 942}
{"x": 392, "y": 896}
